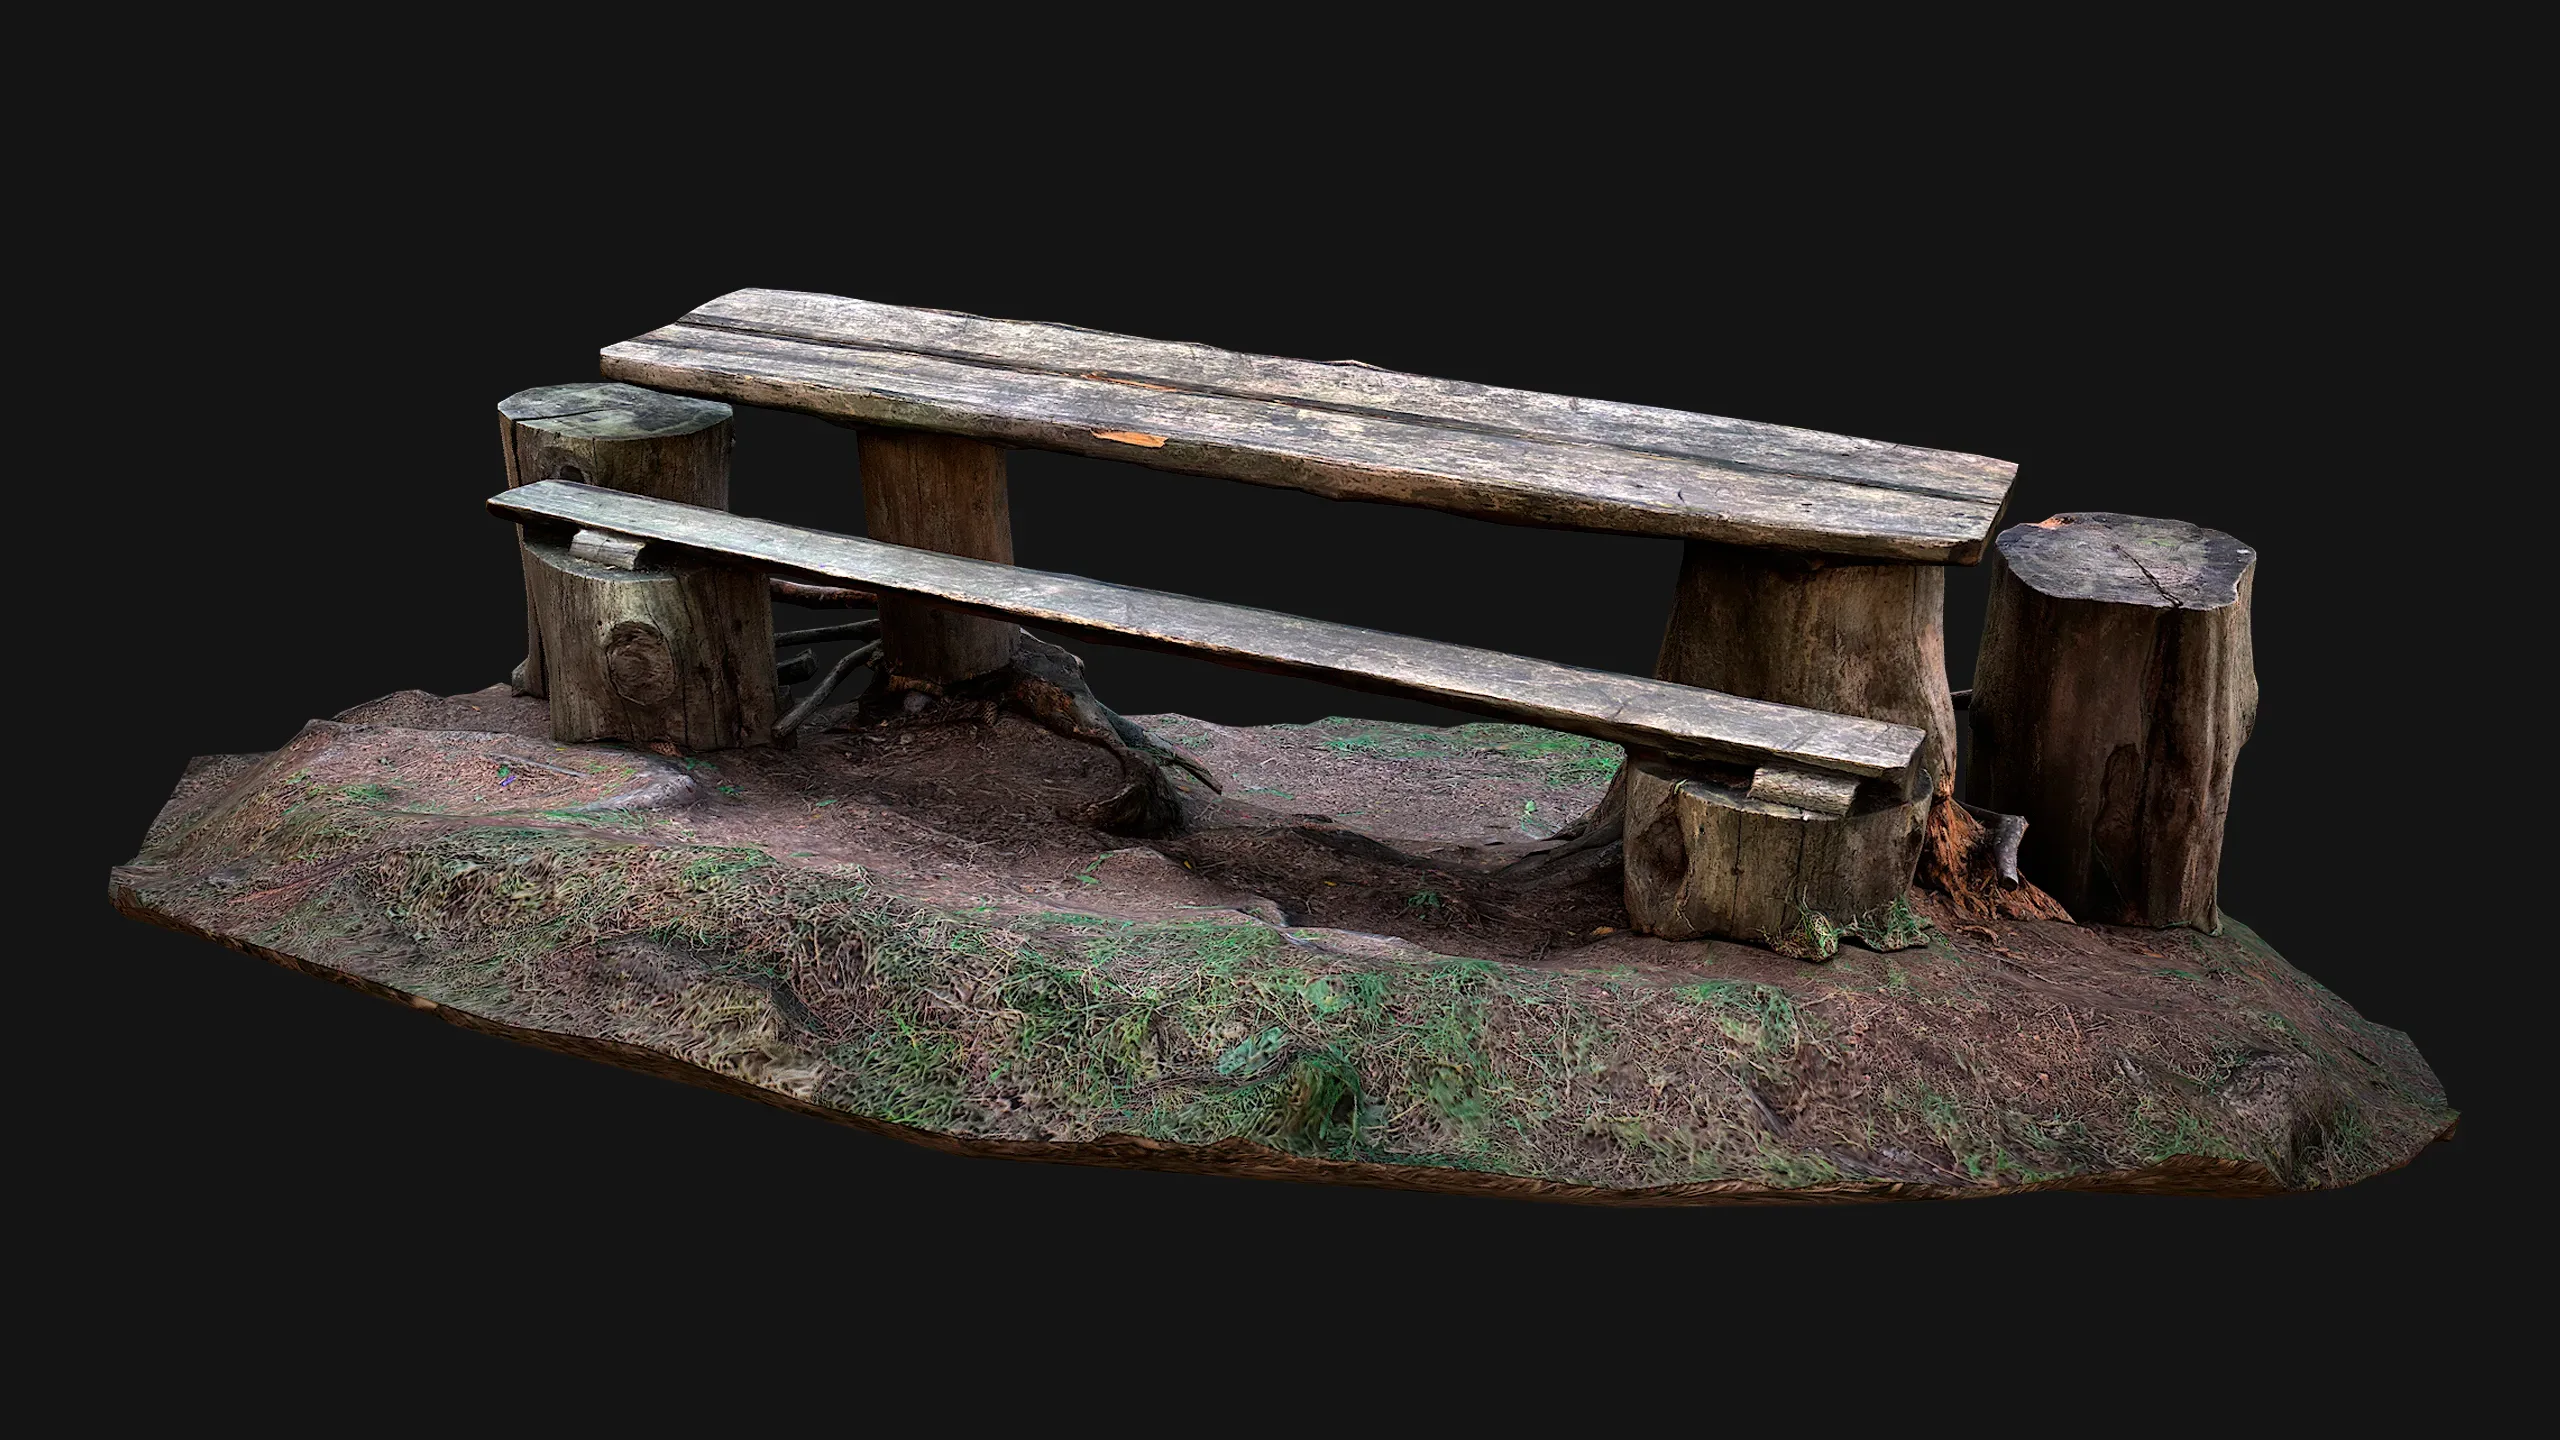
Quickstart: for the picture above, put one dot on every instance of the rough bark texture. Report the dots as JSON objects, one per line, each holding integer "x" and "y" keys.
{"x": 619, "y": 436}
{"x": 2113, "y": 694}
{"x": 1971, "y": 863}
{"x": 1628, "y": 710}
{"x": 1704, "y": 859}
{"x": 681, "y": 654}
{"x": 1340, "y": 429}
{"x": 943, "y": 493}
{"x": 1865, "y": 640}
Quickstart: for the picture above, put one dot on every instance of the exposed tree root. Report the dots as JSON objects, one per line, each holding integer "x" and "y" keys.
{"x": 1046, "y": 685}
{"x": 1588, "y": 844}
{"x": 1970, "y": 859}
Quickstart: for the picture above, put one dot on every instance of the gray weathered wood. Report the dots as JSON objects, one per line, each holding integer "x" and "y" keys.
{"x": 615, "y": 552}
{"x": 622, "y": 437}
{"x": 938, "y": 492}
{"x": 1706, "y": 860}
{"x": 2115, "y": 689}
{"x": 1643, "y": 714}
{"x": 1815, "y": 790}
{"x": 1343, "y": 430}
{"x": 673, "y": 654}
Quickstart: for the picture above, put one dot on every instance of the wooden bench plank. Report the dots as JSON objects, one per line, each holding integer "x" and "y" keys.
{"x": 1344, "y": 430}
{"x": 1642, "y": 714}
{"x": 1070, "y": 350}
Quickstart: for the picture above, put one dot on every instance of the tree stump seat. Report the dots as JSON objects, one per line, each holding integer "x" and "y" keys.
{"x": 2116, "y": 686}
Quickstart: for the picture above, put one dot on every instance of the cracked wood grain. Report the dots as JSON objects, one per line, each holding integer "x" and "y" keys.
{"x": 2116, "y": 686}
{"x": 1342, "y": 430}
{"x": 1646, "y": 715}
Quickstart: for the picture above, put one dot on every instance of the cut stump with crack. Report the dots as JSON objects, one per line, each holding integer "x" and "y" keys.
{"x": 1326, "y": 973}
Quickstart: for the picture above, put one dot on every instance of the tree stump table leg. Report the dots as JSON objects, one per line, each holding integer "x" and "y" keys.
{"x": 1710, "y": 859}
{"x": 679, "y": 653}
{"x": 1866, "y": 640}
{"x": 2115, "y": 689}
{"x": 945, "y": 493}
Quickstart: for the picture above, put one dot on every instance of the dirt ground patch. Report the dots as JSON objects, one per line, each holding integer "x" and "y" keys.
{"x": 901, "y": 926}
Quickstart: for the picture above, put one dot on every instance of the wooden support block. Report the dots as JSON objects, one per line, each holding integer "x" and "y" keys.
{"x": 944, "y": 493}
{"x": 1819, "y": 791}
{"x": 2115, "y": 689}
{"x": 681, "y": 654}
{"x": 615, "y": 552}
{"x": 621, "y": 437}
{"x": 1707, "y": 860}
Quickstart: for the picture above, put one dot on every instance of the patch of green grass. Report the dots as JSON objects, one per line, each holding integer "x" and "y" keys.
{"x": 2342, "y": 1147}
{"x": 1893, "y": 926}
{"x": 900, "y": 1074}
{"x": 1065, "y": 1027}
{"x": 1760, "y": 1017}
{"x": 2160, "y": 1128}
{"x": 623, "y": 820}
{"x": 723, "y": 863}
{"x": 1585, "y": 770}
{"x": 1567, "y": 759}
{"x": 314, "y": 824}
{"x": 1813, "y": 935}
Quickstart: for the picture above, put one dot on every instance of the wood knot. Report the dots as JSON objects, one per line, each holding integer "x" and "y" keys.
{"x": 638, "y": 663}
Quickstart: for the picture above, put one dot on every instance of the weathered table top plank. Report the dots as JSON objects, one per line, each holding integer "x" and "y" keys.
{"x": 1341, "y": 429}
{"x": 1643, "y": 714}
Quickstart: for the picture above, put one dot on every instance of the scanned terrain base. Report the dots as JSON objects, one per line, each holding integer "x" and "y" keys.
{"x": 902, "y": 928}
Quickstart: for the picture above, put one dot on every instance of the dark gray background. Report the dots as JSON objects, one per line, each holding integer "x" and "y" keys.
{"x": 308, "y": 517}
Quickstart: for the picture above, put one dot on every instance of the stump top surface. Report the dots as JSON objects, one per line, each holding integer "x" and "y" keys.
{"x": 606, "y": 410}
{"x": 1341, "y": 429}
{"x": 2128, "y": 560}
